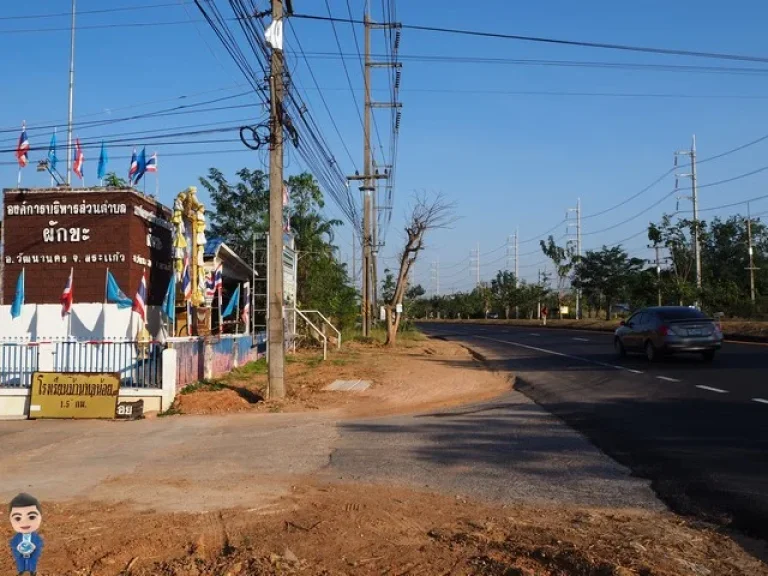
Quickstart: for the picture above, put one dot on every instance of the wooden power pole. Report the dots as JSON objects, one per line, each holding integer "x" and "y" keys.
{"x": 276, "y": 336}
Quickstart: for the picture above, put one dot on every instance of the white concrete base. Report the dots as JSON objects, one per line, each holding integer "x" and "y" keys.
{"x": 14, "y": 402}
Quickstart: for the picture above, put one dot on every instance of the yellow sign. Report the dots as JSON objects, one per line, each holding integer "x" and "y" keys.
{"x": 74, "y": 395}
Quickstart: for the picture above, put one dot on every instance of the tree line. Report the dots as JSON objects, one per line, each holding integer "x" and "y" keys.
{"x": 611, "y": 281}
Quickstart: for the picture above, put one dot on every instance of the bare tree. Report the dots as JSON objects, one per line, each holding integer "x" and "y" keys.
{"x": 429, "y": 212}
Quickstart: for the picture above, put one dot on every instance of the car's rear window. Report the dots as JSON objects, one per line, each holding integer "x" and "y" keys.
{"x": 681, "y": 314}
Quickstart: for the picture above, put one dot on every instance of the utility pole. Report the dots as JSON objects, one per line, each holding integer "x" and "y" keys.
{"x": 474, "y": 261}
{"x": 577, "y": 210}
{"x": 751, "y": 257}
{"x": 370, "y": 233}
{"x": 435, "y": 278}
{"x": 694, "y": 198}
{"x": 517, "y": 271}
{"x": 538, "y": 303}
{"x": 657, "y": 248}
{"x": 276, "y": 387}
{"x": 71, "y": 97}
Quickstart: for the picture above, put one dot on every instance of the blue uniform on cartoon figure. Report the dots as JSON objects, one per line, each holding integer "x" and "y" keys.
{"x": 27, "y": 545}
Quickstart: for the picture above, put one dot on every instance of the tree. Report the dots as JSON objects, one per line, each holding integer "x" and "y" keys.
{"x": 676, "y": 238}
{"x": 605, "y": 274}
{"x": 112, "y": 180}
{"x": 241, "y": 210}
{"x": 505, "y": 291}
{"x": 563, "y": 259}
{"x": 388, "y": 285}
{"x": 427, "y": 214}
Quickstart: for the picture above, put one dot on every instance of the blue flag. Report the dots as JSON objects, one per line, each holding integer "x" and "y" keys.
{"x": 233, "y": 302}
{"x": 18, "y": 300}
{"x": 103, "y": 159}
{"x": 141, "y": 165}
{"x": 115, "y": 295}
{"x": 52, "y": 152}
{"x": 169, "y": 303}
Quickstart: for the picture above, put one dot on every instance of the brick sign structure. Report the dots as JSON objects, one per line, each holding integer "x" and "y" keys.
{"x": 49, "y": 231}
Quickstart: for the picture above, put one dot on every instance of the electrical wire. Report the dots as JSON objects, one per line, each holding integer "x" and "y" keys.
{"x": 564, "y": 42}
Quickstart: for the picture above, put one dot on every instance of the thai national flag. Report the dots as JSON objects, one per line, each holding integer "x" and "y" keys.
{"x": 209, "y": 286}
{"x": 139, "y": 301}
{"x": 77, "y": 167}
{"x": 22, "y": 150}
{"x": 67, "y": 296}
{"x": 134, "y": 166}
{"x": 218, "y": 281}
{"x": 152, "y": 163}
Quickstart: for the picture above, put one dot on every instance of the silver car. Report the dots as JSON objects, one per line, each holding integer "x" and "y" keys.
{"x": 661, "y": 330}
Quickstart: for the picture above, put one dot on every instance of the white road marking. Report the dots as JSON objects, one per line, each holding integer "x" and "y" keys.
{"x": 634, "y": 371}
{"x": 581, "y": 339}
{"x": 553, "y": 353}
{"x": 668, "y": 379}
{"x": 761, "y": 400}
{"x": 534, "y": 334}
{"x": 718, "y": 390}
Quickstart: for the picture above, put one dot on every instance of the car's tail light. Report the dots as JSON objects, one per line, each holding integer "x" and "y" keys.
{"x": 663, "y": 330}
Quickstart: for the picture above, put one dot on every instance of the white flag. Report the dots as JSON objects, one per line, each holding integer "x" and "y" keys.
{"x": 274, "y": 34}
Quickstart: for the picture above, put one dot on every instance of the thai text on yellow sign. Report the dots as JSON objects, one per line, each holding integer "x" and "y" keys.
{"x": 74, "y": 395}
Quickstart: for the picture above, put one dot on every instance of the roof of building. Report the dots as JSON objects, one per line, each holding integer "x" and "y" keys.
{"x": 216, "y": 248}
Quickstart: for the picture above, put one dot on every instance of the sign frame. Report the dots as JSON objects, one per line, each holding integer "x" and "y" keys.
{"x": 42, "y": 405}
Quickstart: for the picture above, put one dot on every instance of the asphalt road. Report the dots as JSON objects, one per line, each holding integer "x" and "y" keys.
{"x": 698, "y": 431}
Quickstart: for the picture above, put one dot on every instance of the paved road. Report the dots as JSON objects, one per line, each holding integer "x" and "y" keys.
{"x": 698, "y": 431}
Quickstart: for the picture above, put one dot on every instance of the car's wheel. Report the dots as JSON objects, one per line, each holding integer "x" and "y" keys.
{"x": 708, "y": 355}
{"x": 619, "y": 347}
{"x": 650, "y": 352}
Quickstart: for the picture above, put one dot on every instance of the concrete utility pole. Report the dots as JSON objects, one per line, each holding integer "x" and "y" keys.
{"x": 694, "y": 198}
{"x": 751, "y": 257}
{"x": 658, "y": 271}
{"x": 577, "y": 210}
{"x": 276, "y": 336}
{"x": 538, "y": 303}
{"x": 517, "y": 271}
{"x": 370, "y": 232}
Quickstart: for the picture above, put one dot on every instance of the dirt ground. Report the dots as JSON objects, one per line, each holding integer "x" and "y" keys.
{"x": 404, "y": 379}
{"x": 206, "y": 496}
{"x": 356, "y": 529}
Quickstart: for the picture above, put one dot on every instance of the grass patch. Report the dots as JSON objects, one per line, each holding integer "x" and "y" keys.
{"x": 172, "y": 411}
{"x": 203, "y": 386}
{"x": 339, "y": 362}
{"x": 256, "y": 367}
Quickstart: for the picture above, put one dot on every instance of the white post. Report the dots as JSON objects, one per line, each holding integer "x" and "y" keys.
{"x": 169, "y": 373}
{"x": 71, "y": 96}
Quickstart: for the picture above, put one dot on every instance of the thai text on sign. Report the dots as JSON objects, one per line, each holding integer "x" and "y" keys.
{"x": 74, "y": 395}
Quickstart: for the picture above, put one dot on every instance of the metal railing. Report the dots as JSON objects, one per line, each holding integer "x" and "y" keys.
{"x": 139, "y": 364}
{"x": 315, "y": 328}
{"x": 18, "y": 361}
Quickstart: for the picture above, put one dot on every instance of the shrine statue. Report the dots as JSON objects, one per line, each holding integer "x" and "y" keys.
{"x": 199, "y": 229}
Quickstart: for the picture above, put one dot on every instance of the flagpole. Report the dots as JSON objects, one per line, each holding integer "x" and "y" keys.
{"x": 18, "y": 180}
{"x": 72, "y": 301}
{"x": 71, "y": 96}
{"x": 221, "y": 320}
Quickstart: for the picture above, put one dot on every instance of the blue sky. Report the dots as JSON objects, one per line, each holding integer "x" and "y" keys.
{"x": 513, "y": 144}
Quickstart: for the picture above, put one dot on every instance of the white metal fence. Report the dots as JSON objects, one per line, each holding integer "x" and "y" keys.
{"x": 139, "y": 364}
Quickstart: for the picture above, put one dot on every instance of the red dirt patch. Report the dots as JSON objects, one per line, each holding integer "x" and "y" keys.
{"x": 352, "y": 529}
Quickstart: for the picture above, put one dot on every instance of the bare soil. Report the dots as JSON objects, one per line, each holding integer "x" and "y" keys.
{"x": 415, "y": 376}
{"x": 356, "y": 529}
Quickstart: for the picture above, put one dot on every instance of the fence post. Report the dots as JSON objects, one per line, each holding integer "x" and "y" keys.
{"x": 45, "y": 360}
{"x": 169, "y": 377}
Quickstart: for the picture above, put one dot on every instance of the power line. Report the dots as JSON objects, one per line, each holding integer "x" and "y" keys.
{"x": 563, "y": 42}
{"x": 86, "y": 12}
{"x": 559, "y": 63}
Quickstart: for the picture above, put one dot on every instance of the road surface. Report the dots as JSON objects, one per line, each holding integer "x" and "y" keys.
{"x": 699, "y": 431}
